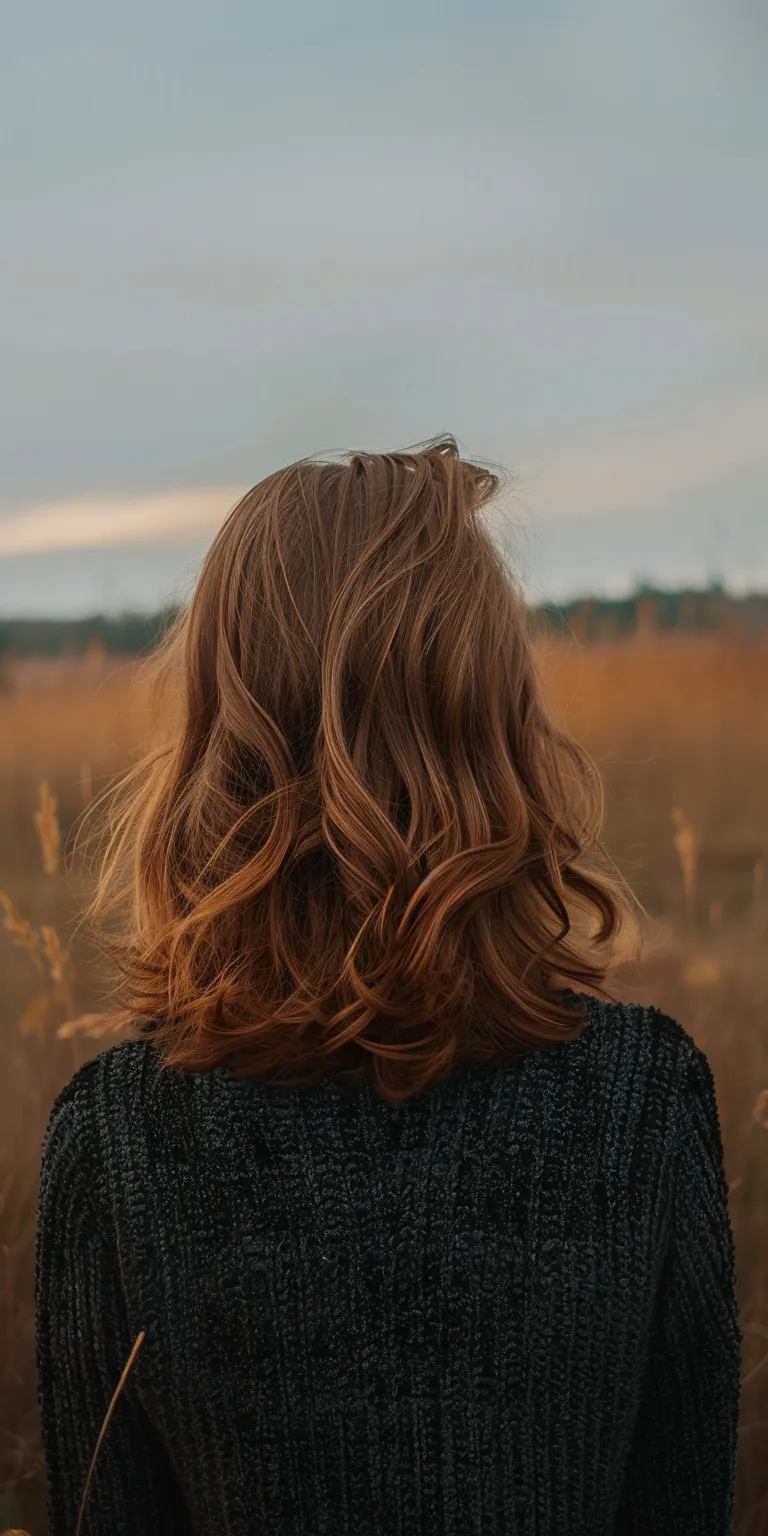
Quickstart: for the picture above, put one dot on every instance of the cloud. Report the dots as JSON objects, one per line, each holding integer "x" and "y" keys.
{"x": 645, "y": 471}
{"x": 628, "y": 473}
{"x": 100, "y": 522}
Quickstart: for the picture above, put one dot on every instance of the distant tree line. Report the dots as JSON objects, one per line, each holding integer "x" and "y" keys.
{"x": 126, "y": 634}
{"x": 648, "y": 610}
{"x": 653, "y": 610}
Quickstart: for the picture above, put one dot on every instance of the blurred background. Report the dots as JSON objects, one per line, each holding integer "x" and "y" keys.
{"x": 238, "y": 235}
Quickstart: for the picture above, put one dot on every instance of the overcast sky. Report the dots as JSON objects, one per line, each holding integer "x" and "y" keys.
{"x": 237, "y": 234}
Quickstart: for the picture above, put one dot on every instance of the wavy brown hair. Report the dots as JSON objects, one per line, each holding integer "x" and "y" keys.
{"x": 357, "y": 849}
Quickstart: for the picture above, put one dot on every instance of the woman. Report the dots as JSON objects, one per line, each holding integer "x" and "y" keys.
{"x": 424, "y": 1232}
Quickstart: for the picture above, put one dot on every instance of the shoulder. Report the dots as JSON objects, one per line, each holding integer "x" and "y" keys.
{"x": 613, "y": 1027}
{"x": 636, "y": 1078}
{"x": 664, "y": 1080}
{"x": 126, "y": 1112}
{"x": 120, "y": 1066}
{"x": 105, "y": 1085}
{"x": 631, "y": 1045}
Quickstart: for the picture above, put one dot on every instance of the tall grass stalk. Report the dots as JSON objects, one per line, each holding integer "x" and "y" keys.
{"x": 108, "y": 1415}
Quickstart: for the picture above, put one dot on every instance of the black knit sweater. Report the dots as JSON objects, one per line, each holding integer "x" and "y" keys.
{"x": 506, "y": 1305}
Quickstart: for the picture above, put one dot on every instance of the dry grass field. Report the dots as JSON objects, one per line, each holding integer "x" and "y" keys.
{"x": 679, "y": 728}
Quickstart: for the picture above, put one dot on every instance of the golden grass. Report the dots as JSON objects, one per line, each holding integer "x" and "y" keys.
{"x": 22, "y": 933}
{"x": 680, "y": 732}
{"x": 47, "y": 825}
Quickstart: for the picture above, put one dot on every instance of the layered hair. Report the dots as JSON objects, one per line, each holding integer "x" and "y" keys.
{"x": 361, "y": 846}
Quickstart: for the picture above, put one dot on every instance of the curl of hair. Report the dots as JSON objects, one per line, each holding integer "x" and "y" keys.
{"x": 357, "y": 849}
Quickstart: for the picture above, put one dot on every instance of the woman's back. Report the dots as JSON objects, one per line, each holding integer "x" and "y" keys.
{"x": 504, "y": 1305}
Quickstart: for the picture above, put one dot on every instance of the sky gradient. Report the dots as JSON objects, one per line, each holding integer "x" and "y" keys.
{"x": 237, "y": 235}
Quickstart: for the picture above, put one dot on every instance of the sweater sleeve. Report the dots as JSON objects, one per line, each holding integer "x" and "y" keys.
{"x": 83, "y": 1343}
{"x": 681, "y": 1470}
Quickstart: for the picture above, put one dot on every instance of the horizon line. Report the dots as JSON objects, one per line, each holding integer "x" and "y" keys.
{"x": 641, "y": 588}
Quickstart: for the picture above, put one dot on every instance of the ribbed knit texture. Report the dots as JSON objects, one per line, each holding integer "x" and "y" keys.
{"x": 505, "y": 1306}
